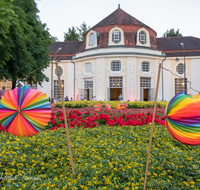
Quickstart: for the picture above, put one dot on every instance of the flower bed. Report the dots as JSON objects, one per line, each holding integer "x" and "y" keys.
{"x": 104, "y": 158}
{"x": 76, "y": 118}
{"x": 81, "y": 104}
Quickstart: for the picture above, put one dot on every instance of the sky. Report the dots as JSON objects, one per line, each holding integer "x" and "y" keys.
{"x": 160, "y": 15}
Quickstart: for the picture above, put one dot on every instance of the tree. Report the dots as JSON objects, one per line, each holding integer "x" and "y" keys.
{"x": 24, "y": 42}
{"x": 71, "y": 35}
{"x": 82, "y": 30}
{"x": 172, "y": 33}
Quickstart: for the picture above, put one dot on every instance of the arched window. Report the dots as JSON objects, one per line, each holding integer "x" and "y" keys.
{"x": 88, "y": 67}
{"x": 145, "y": 66}
{"x": 142, "y": 37}
{"x": 180, "y": 68}
{"x": 116, "y": 36}
{"x": 92, "y": 39}
{"x": 60, "y": 71}
{"x": 115, "y": 66}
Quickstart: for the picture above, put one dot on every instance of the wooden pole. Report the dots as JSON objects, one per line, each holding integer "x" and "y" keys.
{"x": 65, "y": 119}
{"x": 150, "y": 140}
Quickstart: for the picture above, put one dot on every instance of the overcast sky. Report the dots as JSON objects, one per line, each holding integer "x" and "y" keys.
{"x": 160, "y": 15}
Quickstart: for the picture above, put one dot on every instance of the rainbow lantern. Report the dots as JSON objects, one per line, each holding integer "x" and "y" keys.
{"x": 119, "y": 106}
{"x": 108, "y": 107}
{"x": 97, "y": 107}
{"x": 183, "y": 119}
{"x": 24, "y": 111}
{"x": 123, "y": 106}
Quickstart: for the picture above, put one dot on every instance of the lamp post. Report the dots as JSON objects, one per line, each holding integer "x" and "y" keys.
{"x": 52, "y": 79}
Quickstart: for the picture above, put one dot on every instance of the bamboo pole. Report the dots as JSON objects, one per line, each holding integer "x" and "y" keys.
{"x": 65, "y": 119}
{"x": 150, "y": 140}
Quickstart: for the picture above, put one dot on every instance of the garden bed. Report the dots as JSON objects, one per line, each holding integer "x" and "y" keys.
{"x": 104, "y": 158}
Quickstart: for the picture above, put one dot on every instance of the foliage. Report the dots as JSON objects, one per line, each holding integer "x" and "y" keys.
{"x": 172, "y": 33}
{"x": 82, "y": 30}
{"x": 71, "y": 35}
{"x": 82, "y": 103}
{"x": 104, "y": 158}
{"x": 24, "y": 41}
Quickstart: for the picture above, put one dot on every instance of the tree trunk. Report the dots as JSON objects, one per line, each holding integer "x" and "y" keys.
{"x": 13, "y": 84}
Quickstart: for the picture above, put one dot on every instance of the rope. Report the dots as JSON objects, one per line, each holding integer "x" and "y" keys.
{"x": 181, "y": 78}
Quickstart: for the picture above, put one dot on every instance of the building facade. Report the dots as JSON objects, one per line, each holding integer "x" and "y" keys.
{"x": 121, "y": 55}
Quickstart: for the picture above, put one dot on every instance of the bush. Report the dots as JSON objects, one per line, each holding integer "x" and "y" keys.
{"x": 104, "y": 158}
{"x": 81, "y": 104}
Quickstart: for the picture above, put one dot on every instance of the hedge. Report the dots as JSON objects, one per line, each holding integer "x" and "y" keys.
{"x": 81, "y": 104}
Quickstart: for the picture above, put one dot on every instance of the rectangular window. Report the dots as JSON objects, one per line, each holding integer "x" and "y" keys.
{"x": 88, "y": 67}
{"x": 7, "y": 84}
{"x": 88, "y": 83}
{"x": 56, "y": 88}
{"x": 145, "y": 82}
{"x": 179, "y": 85}
{"x": 116, "y": 82}
{"x": 115, "y": 66}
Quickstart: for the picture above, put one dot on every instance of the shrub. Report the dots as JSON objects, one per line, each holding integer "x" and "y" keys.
{"x": 81, "y": 104}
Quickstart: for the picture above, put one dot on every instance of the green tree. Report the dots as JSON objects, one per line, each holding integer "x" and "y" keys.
{"x": 24, "y": 42}
{"x": 172, "y": 33}
{"x": 82, "y": 30}
{"x": 71, "y": 35}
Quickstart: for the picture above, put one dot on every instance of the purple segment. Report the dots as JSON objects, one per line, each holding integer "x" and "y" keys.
{"x": 24, "y": 94}
{"x": 18, "y": 94}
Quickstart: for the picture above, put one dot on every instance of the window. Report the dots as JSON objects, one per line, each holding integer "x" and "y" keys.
{"x": 7, "y": 84}
{"x": 56, "y": 88}
{"x": 179, "y": 85}
{"x": 88, "y": 83}
{"x": 116, "y": 36}
{"x": 116, "y": 82}
{"x": 115, "y": 66}
{"x": 88, "y": 67}
{"x": 145, "y": 67}
{"x": 60, "y": 71}
{"x": 142, "y": 37}
{"x": 180, "y": 68}
{"x": 32, "y": 86}
{"x": 92, "y": 39}
{"x": 145, "y": 82}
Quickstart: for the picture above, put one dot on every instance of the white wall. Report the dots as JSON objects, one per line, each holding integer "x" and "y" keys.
{"x": 70, "y": 81}
{"x": 195, "y": 75}
{"x": 167, "y": 82}
{"x": 46, "y": 86}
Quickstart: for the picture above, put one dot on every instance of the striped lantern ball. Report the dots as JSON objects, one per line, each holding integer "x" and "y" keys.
{"x": 123, "y": 106}
{"x": 108, "y": 107}
{"x": 119, "y": 106}
{"x": 97, "y": 107}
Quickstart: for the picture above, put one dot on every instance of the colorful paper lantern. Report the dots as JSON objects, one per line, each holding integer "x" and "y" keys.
{"x": 119, "y": 106}
{"x": 24, "y": 111}
{"x": 183, "y": 119}
{"x": 100, "y": 105}
{"x": 123, "y": 106}
{"x": 108, "y": 107}
{"x": 97, "y": 107}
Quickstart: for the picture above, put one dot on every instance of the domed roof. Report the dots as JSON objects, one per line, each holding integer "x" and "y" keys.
{"x": 119, "y": 17}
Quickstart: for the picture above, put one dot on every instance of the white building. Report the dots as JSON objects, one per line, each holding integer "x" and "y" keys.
{"x": 120, "y": 55}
